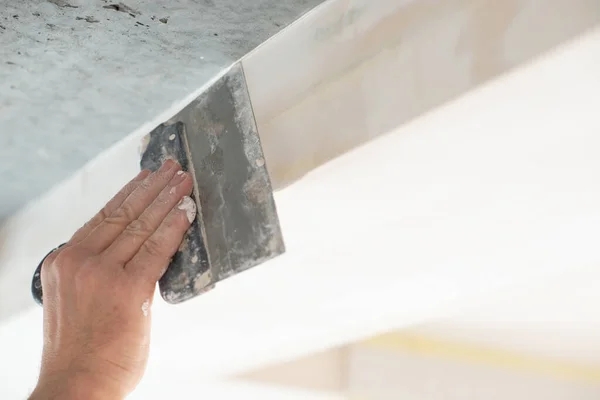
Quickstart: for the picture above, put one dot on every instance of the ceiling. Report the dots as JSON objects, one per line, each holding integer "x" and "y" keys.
{"x": 76, "y": 76}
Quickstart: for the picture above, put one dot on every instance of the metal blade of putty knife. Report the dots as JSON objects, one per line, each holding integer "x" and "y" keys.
{"x": 215, "y": 138}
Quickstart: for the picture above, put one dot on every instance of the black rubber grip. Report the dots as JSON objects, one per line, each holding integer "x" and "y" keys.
{"x": 36, "y": 282}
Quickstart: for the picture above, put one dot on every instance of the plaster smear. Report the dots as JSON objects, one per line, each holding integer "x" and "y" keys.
{"x": 189, "y": 206}
{"x": 146, "y": 307}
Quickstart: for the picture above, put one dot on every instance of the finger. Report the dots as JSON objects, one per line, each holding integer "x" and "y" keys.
{"x": 153, "y": 258}
{"x": 130, "y": 209}
{"x": 109, "y": 208}
{"x": 133, "y": 237}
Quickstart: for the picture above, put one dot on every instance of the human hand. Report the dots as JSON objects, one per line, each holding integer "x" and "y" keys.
{"x": 98, "y": 288}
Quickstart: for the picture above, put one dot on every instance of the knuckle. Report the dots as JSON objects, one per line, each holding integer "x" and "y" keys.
{"x": 102, "y": 214}
{"x": 71, "y": 256}
{"x": 50, "y": 259}
{"x": 131, "y": 186}
{"x": 69, "y": 264}
{"x": 60, "y": 261}
{"x": 164, "y": 197}
{"x": 174, "y": 229}
{"x": 128, "y": 211}
{"x": 154, "y": 248}
{"x": 147, "y": 183}
{"x": 139, "y": 227}
{"x": 64, "y": 258}
{"x": 176, "y": 222}
{"x": 123, "y": 214}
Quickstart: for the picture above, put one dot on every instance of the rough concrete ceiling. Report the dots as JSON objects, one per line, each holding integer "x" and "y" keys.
{"x": 78, "y": 75}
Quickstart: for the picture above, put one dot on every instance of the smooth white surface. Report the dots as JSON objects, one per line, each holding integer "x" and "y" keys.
{"x": 191, "y": 387}
{"x": 357, "y": 69}
{"x": 496, "y": 190}
{"x": 556, "y": 318}
{"x": 380, "y": 374}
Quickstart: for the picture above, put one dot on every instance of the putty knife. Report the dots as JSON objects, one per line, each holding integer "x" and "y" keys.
{"x": 216, "y": 140}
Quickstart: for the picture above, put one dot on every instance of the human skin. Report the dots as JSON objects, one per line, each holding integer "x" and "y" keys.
{"x": 98, "y": 289}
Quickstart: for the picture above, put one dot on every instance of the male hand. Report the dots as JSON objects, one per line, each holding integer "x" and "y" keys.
{"x": 98, "y": 288}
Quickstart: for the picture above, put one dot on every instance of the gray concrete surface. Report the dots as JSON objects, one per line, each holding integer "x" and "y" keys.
{"x": 78, "y": 75}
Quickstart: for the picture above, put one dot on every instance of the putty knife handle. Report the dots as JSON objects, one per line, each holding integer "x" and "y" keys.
{"x": 36, "y": 282}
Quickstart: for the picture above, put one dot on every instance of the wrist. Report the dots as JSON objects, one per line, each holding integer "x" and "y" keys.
{"x": 74, "y": 386}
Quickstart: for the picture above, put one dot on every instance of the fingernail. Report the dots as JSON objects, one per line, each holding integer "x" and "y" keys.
{"x": 178, "y": 178}
{"x": 187, "y": 204}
